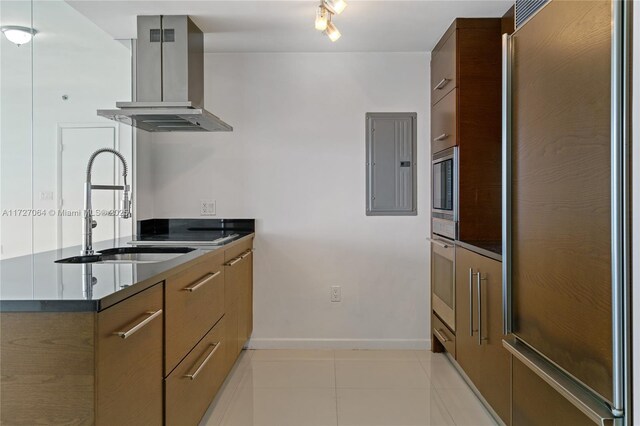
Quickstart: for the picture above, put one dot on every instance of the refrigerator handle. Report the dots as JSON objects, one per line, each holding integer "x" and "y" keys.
{"x": 506, "y": 184}
{"x": 620, "y": 208}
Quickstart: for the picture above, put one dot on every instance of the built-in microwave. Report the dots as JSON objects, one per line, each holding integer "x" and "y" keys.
{"x": 444, "y": 202}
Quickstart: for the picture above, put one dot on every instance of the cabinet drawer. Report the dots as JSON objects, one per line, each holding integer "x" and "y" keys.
{"x": 444, "y": 126}
{"x": 194, "y": 302}
{"x": 129, "y": 361}
{"x": 443, "y": 69}
{"x": 193, "y": 384}
{"x": 444, "y": 335}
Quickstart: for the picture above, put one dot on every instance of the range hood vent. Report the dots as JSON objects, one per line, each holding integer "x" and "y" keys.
{"x": 169, "y": 79}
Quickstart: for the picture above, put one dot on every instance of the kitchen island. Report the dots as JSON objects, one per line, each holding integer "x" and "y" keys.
{"x": 122, "y": 343}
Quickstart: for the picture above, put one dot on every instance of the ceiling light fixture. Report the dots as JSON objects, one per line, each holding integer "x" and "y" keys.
{"x": 18, "y": 35}
{"x": 325, "y": 12}
{"x": 322, "y": 17}
{"x": 332, "y": 31}
{"x": 336, "y": 6}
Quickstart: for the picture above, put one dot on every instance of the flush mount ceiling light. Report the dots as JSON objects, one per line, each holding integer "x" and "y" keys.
{"x": 325, "y": 12}
{"x": 18, "y": 35}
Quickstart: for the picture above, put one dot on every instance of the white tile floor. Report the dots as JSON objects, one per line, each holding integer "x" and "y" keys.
{"x": 368, "y": 388}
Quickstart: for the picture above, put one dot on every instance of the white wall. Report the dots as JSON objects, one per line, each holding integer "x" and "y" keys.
{"x": 69, "y": 56}
{"x": 296, "y": 163}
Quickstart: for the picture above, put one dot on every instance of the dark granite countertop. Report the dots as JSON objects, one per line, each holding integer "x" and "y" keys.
{"x": 491, "y": 249}
{"x": 35, "y": 283}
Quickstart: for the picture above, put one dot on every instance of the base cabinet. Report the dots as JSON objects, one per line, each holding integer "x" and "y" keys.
{"x": 479, "y": 349}
{"x": 157, "y": 357}
{"x": 129, "y": 361}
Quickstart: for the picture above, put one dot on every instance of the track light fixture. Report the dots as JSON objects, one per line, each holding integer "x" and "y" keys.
{"x": 325, "y": 12}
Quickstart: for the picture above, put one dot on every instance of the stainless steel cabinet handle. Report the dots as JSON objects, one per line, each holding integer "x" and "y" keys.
{"x": 441, "y": 137}
{"x": 442, "y": 338}
{"x": 202, "y": 282}
{"x": 442, "y": 83}
{"x": 480, "y": 279}
{"x": 233, "y": 262}
{"x": 246, "y": 253}
{"x": 439, "y": 243}
{"x": 471, "y": 302}
{"x": 138, "y": 326}
{"x": 506, "y": 185}
{"x": 197, "y": 371}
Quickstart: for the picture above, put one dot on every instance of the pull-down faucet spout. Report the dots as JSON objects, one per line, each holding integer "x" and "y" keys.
{"x": 125, "y": 206}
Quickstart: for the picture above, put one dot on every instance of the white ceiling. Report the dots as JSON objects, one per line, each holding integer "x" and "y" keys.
{"x": 287, "y": 26}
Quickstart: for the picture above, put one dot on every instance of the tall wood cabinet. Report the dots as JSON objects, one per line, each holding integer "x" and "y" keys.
{"x": 466, "y": 113}
{"x": 479, "y": 349}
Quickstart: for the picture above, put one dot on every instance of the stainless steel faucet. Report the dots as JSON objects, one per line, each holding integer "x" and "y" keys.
{"x": 125, "y": 206}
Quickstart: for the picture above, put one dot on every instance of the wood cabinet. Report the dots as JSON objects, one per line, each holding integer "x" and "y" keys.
{"x": 239, "y": 296}
{"x": 193, "y": 384}
{"x": 156, "y": 357}
{"x": 194, "y": 302}
{"x": 536, "y": 403}
{"x": 444, "y": 67}
{"x": 466, "y": 92}
{"x": 129, "y": 361}
{"x": 479, "y": 349}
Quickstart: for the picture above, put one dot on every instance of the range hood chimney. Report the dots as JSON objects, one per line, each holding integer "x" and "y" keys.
{"x": 169, "y": 79}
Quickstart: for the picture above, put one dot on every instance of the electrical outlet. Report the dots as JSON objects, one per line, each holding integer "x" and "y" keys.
{"x": 207, "y": 208}
{"x": 336, "y": 293}
{"x": 46, "y": 196}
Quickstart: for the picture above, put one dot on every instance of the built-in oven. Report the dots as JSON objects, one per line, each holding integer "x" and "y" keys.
{"x": 443, "y": 290}
{"x": 444, "y": 203}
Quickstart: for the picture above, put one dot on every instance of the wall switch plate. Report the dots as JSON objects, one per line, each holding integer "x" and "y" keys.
{"x": 336, "y": 293}
{"x": 207, "y": 208}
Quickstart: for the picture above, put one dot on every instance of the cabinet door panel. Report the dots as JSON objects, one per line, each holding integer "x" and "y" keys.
{"x": 129, "y": 366}
{"x": 443, "y": 69}
{"x": 494, "y": 383}
{"x": 444, "y": 124}
{"x": 561, "y": 185}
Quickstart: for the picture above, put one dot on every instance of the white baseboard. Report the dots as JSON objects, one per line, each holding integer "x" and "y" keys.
{"x": 262, "y": 343}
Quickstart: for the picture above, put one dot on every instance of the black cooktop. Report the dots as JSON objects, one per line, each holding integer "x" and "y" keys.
{"x": 193, "y": 229}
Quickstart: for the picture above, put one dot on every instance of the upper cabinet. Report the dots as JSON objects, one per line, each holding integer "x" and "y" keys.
{"x": 443, "y": 67}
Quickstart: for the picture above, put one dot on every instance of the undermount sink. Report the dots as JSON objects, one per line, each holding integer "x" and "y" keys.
{"x": 130, "y": 255}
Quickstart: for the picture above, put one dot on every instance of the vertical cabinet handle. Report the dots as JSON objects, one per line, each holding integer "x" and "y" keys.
{"x": 471, "y": 302}
{"x": 197, "y": 371}
{"x": 479, "y": 287}
{"x": 506, "y": 185}
{"x": 151, "y": 316}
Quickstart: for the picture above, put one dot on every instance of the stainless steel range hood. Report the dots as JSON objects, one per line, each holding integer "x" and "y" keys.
{"x": 169, "y": 79}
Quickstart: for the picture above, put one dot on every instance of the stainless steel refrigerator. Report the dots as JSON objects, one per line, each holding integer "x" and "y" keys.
{"x": 565, "y": 212}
